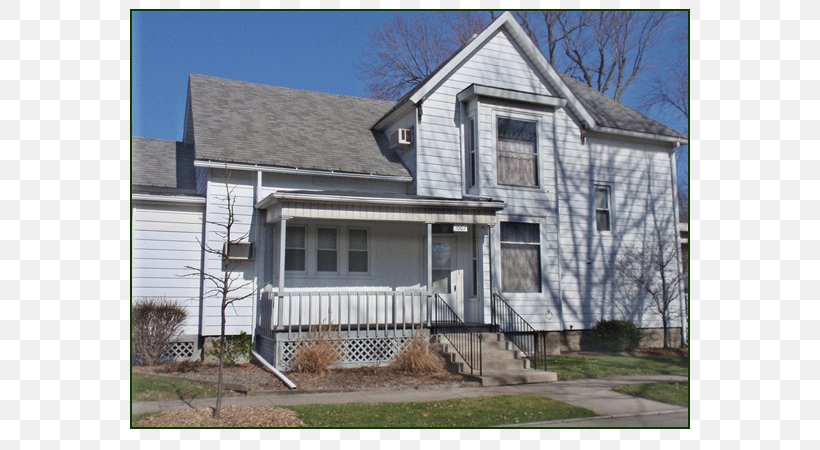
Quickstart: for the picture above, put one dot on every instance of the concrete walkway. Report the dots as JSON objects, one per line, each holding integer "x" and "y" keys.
{"x": 595, "y": 394}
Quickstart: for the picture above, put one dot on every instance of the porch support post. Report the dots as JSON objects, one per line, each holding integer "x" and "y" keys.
{"x": 283, "y": 226}
{"x": 429, "y": 257}
{"x": 429, "y": 270}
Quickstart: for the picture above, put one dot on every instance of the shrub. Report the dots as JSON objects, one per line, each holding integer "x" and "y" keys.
{"x": 237, "y": 348}
{"x": 156, "y": 323}
{"x": 314, "y": 355}
{"x": 418, "y": 358}
{"x": 615, "y": 335}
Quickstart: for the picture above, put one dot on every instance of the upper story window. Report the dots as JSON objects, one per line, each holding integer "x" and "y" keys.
{"x": 517, "y": 149}
{"x": 472, "y": 157}
{"x": 603, "y": 210}
{"x": 295, "y": 248}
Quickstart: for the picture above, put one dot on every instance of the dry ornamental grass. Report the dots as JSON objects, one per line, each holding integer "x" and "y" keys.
{"x": 418, "y": 358}
{"x": 231, "y": 416}
{"x": 314, "y": 356}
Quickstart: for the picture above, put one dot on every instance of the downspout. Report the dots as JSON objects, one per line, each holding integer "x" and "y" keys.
{"x": 558, "y": 222}
{"x": 256, "y": 265}
{"x": 278, "y": 374}
{"x": 674, "y": 173}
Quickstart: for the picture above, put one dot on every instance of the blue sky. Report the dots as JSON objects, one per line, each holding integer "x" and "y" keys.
{"x": 314, "y": 51}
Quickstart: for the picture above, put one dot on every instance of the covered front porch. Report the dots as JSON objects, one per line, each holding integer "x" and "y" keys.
{"x": 362, "y": 270}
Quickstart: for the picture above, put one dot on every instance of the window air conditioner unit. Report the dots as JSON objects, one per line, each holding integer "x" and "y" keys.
{"x": 239, "y": 250}
{"x": 403, "y": 137}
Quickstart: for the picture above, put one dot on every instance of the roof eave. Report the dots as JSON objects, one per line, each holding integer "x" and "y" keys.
{"x": 642, "y": 135}
{"x": 394, "y": 115}
{"x": 297, "y": 171}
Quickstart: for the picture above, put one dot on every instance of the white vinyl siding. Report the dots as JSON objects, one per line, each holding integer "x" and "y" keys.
{"x": 164, "y": 240}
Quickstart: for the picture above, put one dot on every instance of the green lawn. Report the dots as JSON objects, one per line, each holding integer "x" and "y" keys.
{"x": 465, "y": 412}
{"x": 147, "y": 388}
{"x": 672, "y": 393}
{"x": 573, "y": 367}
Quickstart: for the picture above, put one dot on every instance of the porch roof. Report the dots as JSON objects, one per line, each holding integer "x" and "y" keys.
{"x": 340, "y": 205}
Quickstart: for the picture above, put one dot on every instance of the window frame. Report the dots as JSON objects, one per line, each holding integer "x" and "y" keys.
{"x": 539, "y": 245}
{"x": 367, "y": 241}
{"x": 523, "y": 116}
{"x": 608, "y": 187}
{"x": 304, "y": 248}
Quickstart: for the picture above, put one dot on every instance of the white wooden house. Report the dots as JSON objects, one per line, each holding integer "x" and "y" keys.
{"x": 497, "y": 187}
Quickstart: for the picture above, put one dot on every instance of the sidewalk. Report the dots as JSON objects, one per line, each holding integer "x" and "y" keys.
{"x": 593, "y": 394}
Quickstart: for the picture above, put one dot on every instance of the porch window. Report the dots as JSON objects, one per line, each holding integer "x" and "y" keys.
{"x": 326, "y": 250}
{"x": 520, "y": 257}
{"x": 517, "y": 152}
{"x": 602, "y": 209}
{"x": 356, "y": 250}
{"x": 295, "y": 249}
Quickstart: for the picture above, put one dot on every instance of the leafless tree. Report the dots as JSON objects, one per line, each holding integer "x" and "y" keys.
{"x": 650, "y": 270}
{"x": 227, "y": 284}
{"x": 404, "y": 51}
{"x": 607, "y": 50}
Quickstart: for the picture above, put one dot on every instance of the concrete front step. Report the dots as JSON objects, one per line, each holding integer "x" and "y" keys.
{"x": 501, "y": 362}
{"x": 516, "y": 376}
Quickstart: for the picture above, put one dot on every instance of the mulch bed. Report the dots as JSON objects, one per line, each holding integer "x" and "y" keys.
{"x": 250, "y": 378}
{"x": 230, "y": 416}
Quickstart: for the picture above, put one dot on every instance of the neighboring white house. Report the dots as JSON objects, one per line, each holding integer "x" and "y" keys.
{"x": 497, "y": 186}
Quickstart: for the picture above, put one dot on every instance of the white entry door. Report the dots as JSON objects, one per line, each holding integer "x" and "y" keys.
{"x": 448, "y": 277}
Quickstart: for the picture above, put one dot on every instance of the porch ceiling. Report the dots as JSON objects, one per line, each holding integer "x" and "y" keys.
{"x": 382, "y": 207}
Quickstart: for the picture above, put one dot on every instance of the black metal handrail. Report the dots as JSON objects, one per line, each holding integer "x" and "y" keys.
{"x": 519, "y": 332}
{"x": 467, "y": 343}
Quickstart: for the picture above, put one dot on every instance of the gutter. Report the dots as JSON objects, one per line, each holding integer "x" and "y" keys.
{"x": 297, "y": 171}
{"x": 638, "y": 134}
{"x": 284, "y": 195}
{"x": 278, "y": 374}
{"x": 192, "y": 199}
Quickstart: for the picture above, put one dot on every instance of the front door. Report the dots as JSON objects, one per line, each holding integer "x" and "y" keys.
{"x": 448, "y": 277}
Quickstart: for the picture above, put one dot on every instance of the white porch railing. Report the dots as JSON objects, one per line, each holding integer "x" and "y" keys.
{"x": 357, "y": 312}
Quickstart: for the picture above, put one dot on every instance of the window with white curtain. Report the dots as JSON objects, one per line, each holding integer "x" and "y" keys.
{"x": 517, "y": 150}
{"x": 603, "y": 211}
{"x": 520, "y": 257}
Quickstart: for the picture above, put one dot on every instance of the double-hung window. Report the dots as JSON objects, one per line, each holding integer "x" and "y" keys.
{"x": 295, "y": 248}
{"x": 603, "y": 211}
{"x": 520, "y": 257}
{"x": 472, "y": 156}
{"x": 357, "y": 250}
{"x": 517, "y": 151}
{"x": 326, "y": 250}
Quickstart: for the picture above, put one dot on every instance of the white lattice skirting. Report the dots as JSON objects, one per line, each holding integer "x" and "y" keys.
{"x": 182, "y": 350}
{"x": 352, "y": 351}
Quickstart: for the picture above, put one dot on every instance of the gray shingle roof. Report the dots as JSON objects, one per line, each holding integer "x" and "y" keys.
{"x": 258, "y": 124}
{"x": 162, "y": 166}
{"x": 612, "y": 114}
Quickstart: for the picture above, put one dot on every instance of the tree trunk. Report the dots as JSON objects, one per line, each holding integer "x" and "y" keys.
{"x": 218, "y": 407}
{"x": 665, "y": 332}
